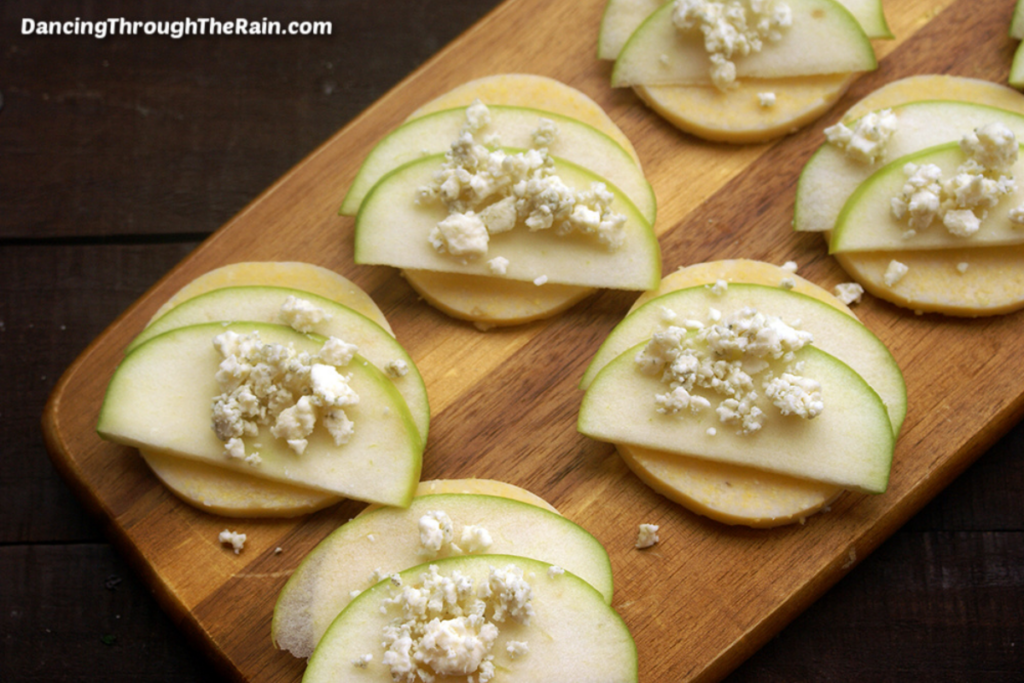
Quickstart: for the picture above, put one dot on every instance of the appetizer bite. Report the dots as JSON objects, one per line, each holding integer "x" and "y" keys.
{"x": 746, "y": 394}
{"x": 458, "y": 584}
{"x": 916, "y": 193}
{"x": 249, "y": 397}
{"x": 507, "y": 200}
{"x": 740, "y": 71}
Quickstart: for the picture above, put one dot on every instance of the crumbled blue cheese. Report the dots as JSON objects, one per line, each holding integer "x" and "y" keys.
{"x": 277, "y": 386}
{"x": 498, "y": 265}
{"x": 848, "y": 292}
{"x": 894, "y": 272}
{"x": 540, "y": 280}
{"x": 488, "y": 192}
{"x": 867, "y": 140}
{"x": 787, "y": 283}
{"x": 233, "y": 539}
{"x": 647, "y": 536}
{"x": 729, "y": 358}
{"x": 302, "y": 314}
{"x": 396, "y": 368}
{"x": 731, "y": 29}
{"x": 719, "y": 287}
{"x": 963, "y": 266}
{"x": 436, "y": 532}
{"x": 517, "y": 648}
{"x": 766, "y": 99}
{"x": 554, "y": 570}
{"x": 475, "y": 539}
{"x": 363, "y": 661}
{"x": 961, "y": 202}
{"x": 790, "y": 266}
{"x": 447, "y": 626}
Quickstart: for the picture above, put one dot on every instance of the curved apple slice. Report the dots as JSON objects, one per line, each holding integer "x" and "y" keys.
{"x": 834, "y": 332}
{"x": 293, "y": 274}
{"x": 263, "y": 304}
{"x": 824, "y": 39}
{"x": 160, "y": 395}
{"x": 434, "y": 133}
{"x": 573, "y": 636}
{"x": 388, "y": 540}
{"x": 830, "y": 177}
{"x": 850, "y": 444}
{"x": 622, "y": 17}
{"x": 866, "y": 222}
{"x": 392, "y": 229}
{"x": 530, "y": 90}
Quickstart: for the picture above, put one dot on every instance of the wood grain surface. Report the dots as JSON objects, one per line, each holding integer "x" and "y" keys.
{"x": 505, "y": 401}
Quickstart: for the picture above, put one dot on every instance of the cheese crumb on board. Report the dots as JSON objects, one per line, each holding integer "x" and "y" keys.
{"x": 233, "y": 539}
{"x": 647, "y": 536}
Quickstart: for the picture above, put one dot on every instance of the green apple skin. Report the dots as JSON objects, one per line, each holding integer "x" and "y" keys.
{"x": 834, "y": 332}
{"x": 388, "y": 539}
{"x": 1016, "y": 78}
{"x": 829, "y": 177}
{"x": 574, "y": 636}
{"x": 850, "y": 444}
{"x": 159, "y": 398}
{"x": 824, "y": 38}
{"x": 622, "y": 17}
{"x": 866, "y": 222}
{"x": 263, "y": 304}
{"x": 577, "y": 142}
{"x": 391, "y": 229}
{"x": 1017, "y": 21}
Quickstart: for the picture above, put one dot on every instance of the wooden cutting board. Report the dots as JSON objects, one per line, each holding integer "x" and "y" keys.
{"x": 505, "y": 401}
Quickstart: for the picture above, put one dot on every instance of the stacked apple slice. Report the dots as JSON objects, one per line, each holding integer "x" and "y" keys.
{"x": 932, "y": 268}
{"x": 337, "y": 607}
{"x": 159, "y": 399}
{"x": 791, "y": 466}
{"x": 805, "y": 62}
{"x": 520, "y": 273}
{"x": 1016, "y": 78}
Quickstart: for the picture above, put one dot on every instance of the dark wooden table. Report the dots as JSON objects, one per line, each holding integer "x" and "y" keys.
{"x": 118, "y": 156}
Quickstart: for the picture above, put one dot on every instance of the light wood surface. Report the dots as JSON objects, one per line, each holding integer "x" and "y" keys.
{"x": 505, "y": 401}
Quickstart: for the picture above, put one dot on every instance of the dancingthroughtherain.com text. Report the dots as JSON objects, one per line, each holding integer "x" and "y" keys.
{"x": 207, "y": 26}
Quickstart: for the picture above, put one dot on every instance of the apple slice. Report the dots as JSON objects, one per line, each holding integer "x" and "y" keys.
{"x": 1017, "y": 21}
{"x": 391, "y": 229}
{"x": 824, "y": 39}
{"x": 572, "y": 635}
{"x": 576, "y": 142}
{"x": 834, "y": 332}
{"x": 866, "y": 222}
{"x": 1016, "y": 77}
{"x": 850, "y": 444}
{"x": 388, "y": 540}
{"x": 536, "y": 92}
{"x": 830, "y": 177}
{"x": 292, "y": 274}
{"x": 622, "y": 17}
{"x": 483, "y": 487}
{"x": 263, "y": 304}
{"x": 160, "y": 399}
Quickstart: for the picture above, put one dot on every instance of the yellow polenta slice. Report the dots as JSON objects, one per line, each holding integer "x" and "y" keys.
{"x": 291, "y": 274}
{"x": 969, "y": 282}
{"x": 233, "y": 494}
{"x": 499, "y": 301}
{"x": 738, "y": 116}
{"x": 530, "y": 90}
{"x": 490, "y": 300}
{"x": 731, "y": 494}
